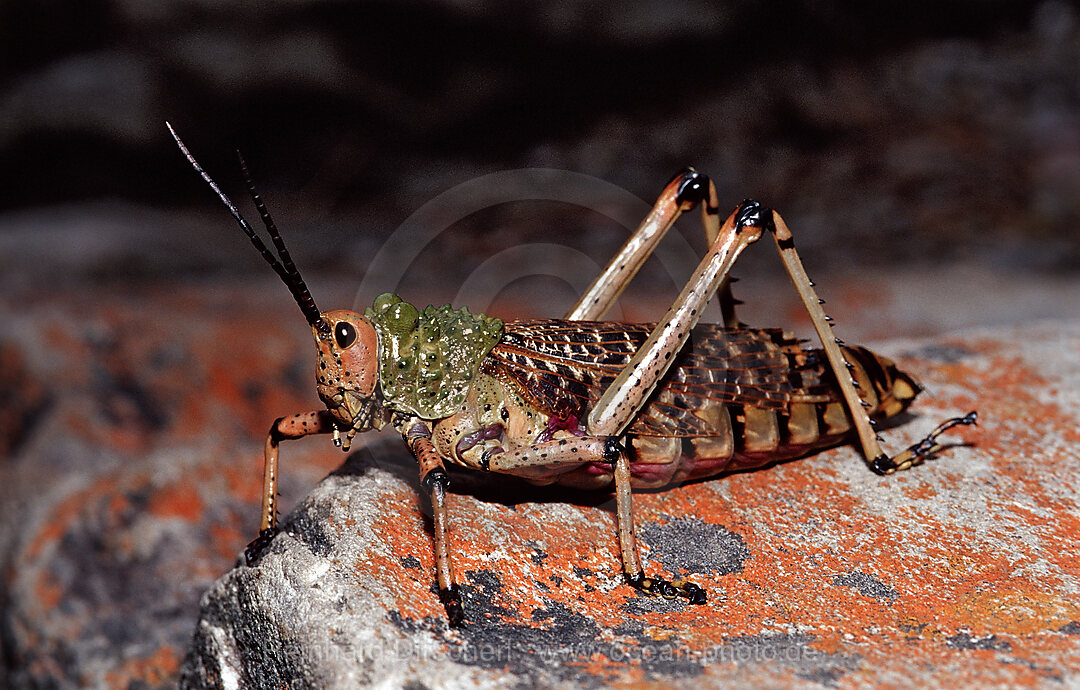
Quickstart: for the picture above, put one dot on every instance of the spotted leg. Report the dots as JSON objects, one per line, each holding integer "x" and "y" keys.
{"x": 686, "y": 189}
{"x": 547, "y": 457}
{"x": 293, "y": 426}
{"x": 878, "y": 460}
{"x": 630, "y": 390}
{"x": 433, "y": 478}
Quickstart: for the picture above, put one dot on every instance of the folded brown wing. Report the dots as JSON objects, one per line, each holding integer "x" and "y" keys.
{"x": 563, "y": 366}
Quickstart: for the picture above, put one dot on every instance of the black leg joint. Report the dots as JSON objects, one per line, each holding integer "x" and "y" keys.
{"x": 417, "y": 430}
{"x": 613, "y": 449}
{"x": 276, "y": 437}
{"x": 485, "y": 458}
{"x": 451, "y": 600}
{"x": 640, "y": 582}
{"x": 882, "y": 465}
{"x": 694, "y": 594}
{"x": 751, "y": 213}
{"x": 666, "y": 589}
{"x": 436, "y": 476}
{"x": 693, "y": 187}
{"x": 255, "y": 549}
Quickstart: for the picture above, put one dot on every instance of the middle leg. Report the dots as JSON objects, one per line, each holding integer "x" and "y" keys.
{"x": 434, "y": 479}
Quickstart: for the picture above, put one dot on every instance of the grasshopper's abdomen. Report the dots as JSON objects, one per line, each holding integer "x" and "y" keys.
{"x": 735, "y": 399}
{"x": 758, "y": 436}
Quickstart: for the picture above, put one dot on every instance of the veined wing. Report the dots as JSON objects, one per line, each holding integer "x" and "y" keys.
{"x": 563, "y": 366}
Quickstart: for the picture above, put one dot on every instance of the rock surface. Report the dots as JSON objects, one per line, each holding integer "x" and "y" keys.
{"x": 819, "y": 572}
{"x": 133, "y": 418}
{"x": 131, "y": 421}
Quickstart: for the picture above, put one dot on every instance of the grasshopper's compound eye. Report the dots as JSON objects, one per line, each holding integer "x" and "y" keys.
{"x": 344, "y": 334}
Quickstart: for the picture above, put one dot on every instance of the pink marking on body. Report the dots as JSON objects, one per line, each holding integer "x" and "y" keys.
{"x": 693, "y": 468}
{"x": 562, "y": 421}
{"x": 597, "y": 468}
{"x": 704, "y": 467}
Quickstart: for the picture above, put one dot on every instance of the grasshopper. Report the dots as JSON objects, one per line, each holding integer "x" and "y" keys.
{"x": 585, "y": 403}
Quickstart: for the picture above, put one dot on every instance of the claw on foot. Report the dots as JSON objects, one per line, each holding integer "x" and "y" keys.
{"x": 915, "y": 454}
{"x": 257, "y": 545}
{"x": 451, "y": 599}
{"x": 669, "y": 589}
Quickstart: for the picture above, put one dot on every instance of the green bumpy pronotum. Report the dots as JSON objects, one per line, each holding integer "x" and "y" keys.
{"x": 427, "y": 359}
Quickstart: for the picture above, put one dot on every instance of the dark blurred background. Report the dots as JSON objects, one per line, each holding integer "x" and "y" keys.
{"x": 889, "y": 133}
{"x": 926, "y": 153}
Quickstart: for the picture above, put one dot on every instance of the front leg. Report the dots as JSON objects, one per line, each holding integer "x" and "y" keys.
{"x": 293, "y": 426}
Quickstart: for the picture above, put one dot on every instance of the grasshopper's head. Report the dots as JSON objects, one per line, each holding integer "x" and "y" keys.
{"x": 347, "y": 374}
{"x": 348, "y": 368}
